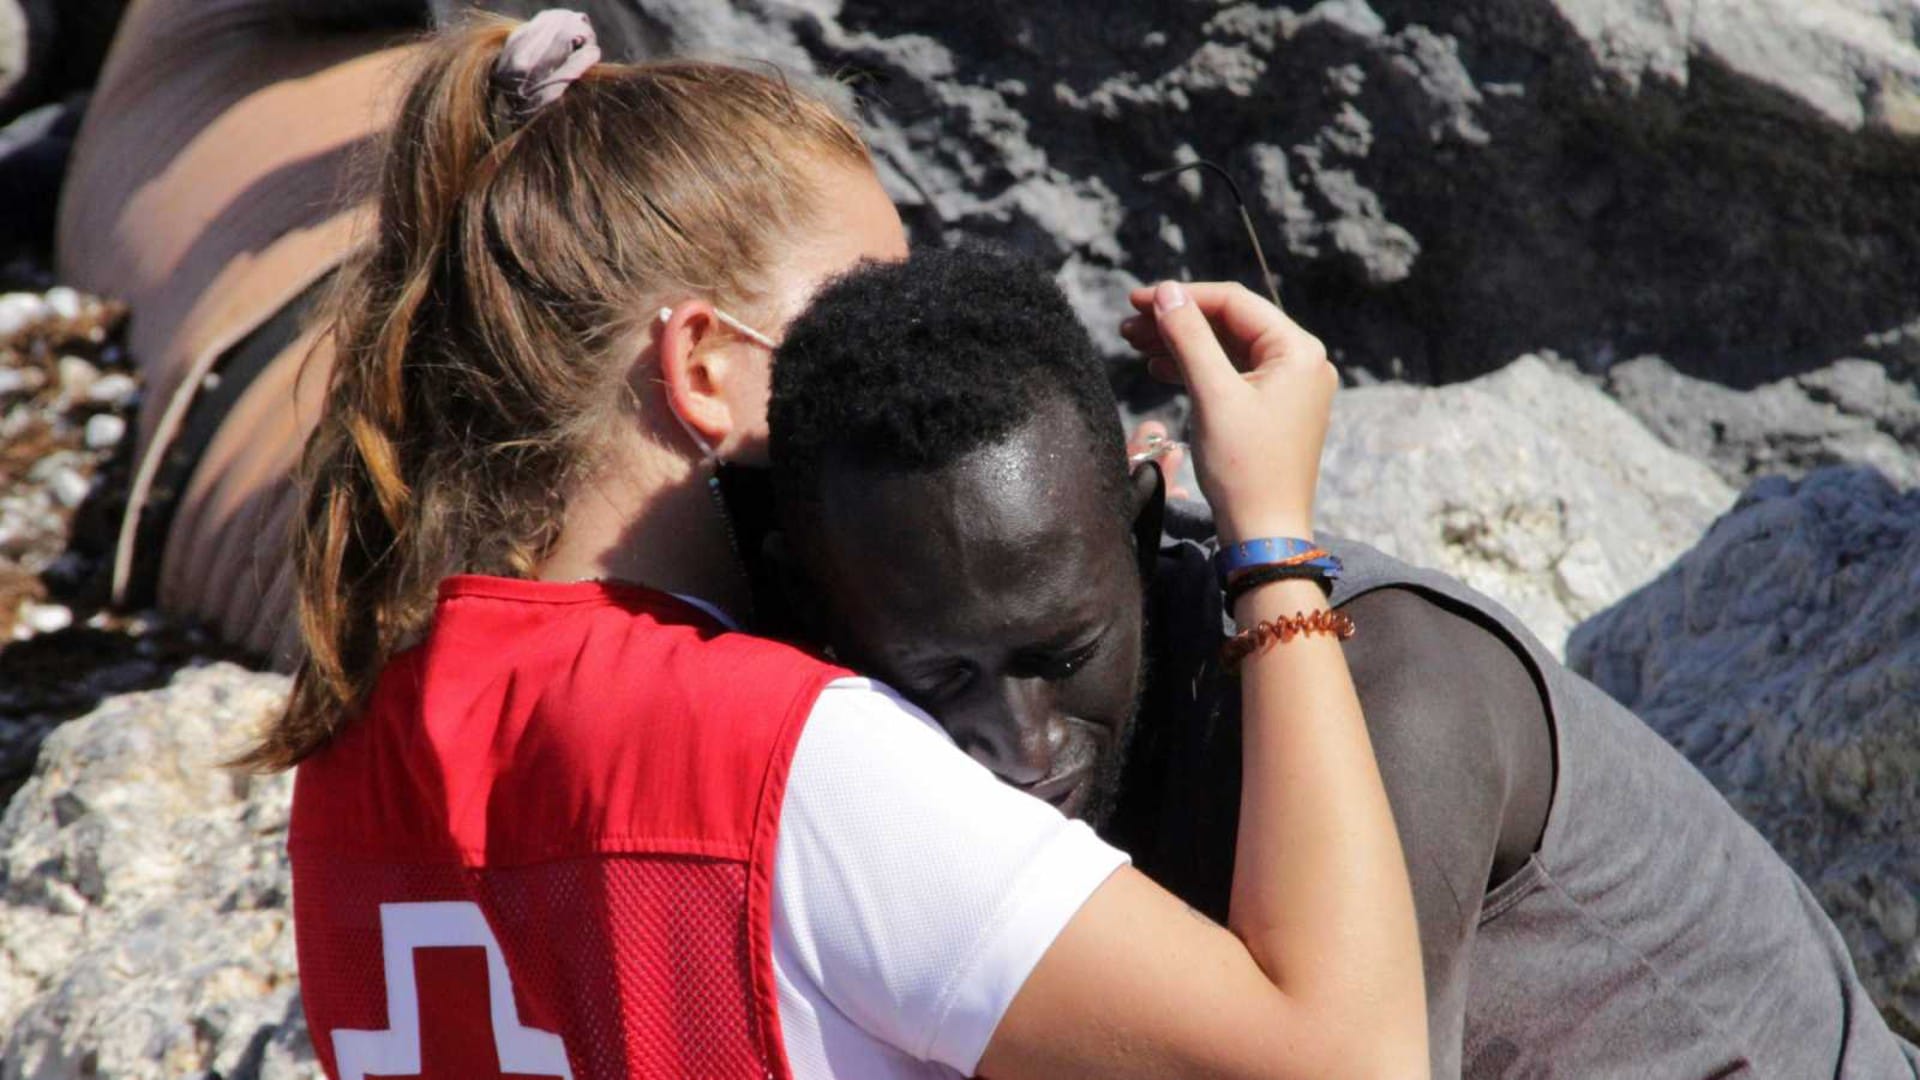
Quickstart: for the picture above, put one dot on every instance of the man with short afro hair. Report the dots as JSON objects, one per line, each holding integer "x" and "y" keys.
{"x": 913, "y": 365}
{"x": 948, "y": 459}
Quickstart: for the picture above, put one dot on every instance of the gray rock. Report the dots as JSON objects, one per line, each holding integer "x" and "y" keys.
{"x": 1844, "y": 60}
{"x": 1529, "y": 484}
{"x": 1850, "y": 412}
{"x": 1783, "y": 657}
{"x": 1444, "y": 185}
{"x": 144, "y": 929}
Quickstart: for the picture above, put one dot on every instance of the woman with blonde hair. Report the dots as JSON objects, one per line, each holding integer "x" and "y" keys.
{"x": 545, "y": 783}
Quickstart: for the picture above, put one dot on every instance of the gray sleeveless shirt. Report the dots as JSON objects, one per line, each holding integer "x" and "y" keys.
{"x": 1653, "y": 933}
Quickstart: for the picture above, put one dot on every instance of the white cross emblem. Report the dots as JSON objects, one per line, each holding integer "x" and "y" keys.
{"x": 396, "y": 1051}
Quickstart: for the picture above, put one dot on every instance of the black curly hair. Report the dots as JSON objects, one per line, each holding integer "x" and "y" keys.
{"x": 915, "y": 364}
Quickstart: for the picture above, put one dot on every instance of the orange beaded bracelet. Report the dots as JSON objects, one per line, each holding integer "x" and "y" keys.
{"x": 1261, "y": 635}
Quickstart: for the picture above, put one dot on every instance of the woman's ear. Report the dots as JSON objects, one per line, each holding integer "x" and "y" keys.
{"x": 694, "y": 370}
{"x": 1147, "y": 501}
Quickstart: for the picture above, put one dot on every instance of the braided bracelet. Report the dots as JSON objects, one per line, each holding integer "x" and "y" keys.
{"x": 1318, "y": 573}
{"x": 1261, "y": 635}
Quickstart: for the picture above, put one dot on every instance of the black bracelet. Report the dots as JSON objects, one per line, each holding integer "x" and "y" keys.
{"x": 1267, "y": 575}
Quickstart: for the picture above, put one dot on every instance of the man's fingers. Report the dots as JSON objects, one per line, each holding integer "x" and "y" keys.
{"x": 1208, "y": 294}
{"x": 1196, "y": 350}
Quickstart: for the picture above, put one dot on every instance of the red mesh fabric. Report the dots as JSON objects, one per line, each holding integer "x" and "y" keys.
{"x": 639, "y": 962}
{"x": 567, "y": 737}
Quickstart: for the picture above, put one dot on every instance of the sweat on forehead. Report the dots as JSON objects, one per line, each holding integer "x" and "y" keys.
{"x": 914, "y": 365}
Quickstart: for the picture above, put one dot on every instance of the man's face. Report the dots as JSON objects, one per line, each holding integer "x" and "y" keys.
{"x": 1000, "y": 594}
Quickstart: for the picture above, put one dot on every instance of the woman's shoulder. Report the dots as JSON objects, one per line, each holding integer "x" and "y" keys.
{"x": 605, "y": 720}
{"x": 595, "y": 644}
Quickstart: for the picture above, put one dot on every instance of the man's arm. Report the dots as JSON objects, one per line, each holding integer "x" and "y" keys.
{"x": 1466, "y": 754}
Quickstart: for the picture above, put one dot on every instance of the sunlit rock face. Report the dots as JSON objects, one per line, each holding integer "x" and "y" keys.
{"x": 1782, "y": 656}
{"x": 144, "y": 922}
{"x": 1528, "y": 484}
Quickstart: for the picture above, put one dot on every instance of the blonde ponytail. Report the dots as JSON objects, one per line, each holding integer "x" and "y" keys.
{"x": 474, "y": 335}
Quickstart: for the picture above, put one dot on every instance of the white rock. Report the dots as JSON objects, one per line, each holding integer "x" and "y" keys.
{"x": 69, "y": 487}
{"x": 105, "y": 430}
{"x": 77, "y": 376}
{"x": 46, "y": 618}
{"x": 1529, "y": 484}
{"x": 115, "y": 388}
{"x": 63, "y": 301}
{"x": 19, "y": 311}
{"x": 20, "y": 381}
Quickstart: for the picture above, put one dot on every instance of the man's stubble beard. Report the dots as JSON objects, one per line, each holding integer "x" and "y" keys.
{"x": 1104, "y": 795}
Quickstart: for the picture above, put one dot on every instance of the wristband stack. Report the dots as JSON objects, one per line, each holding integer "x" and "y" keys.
{"x": 1249, "y": 564}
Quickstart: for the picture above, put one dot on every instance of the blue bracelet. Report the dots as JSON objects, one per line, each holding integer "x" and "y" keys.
{"x": 1233, "y": 558}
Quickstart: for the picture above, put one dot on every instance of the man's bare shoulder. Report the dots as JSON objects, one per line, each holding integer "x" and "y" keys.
{"x": 1447, "y": 695}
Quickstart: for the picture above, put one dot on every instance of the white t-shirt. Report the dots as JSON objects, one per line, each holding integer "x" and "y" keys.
{"x": 913, "y": 892}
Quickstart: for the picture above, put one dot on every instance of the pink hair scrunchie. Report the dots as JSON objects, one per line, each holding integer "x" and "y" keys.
{"x": 542, "y": 57}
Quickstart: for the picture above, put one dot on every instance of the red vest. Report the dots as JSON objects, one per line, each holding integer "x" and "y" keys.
{"x": 546, "y": 847}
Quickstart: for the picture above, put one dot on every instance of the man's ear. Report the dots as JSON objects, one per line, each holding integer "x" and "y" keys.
{"x": 1147, "y": 502}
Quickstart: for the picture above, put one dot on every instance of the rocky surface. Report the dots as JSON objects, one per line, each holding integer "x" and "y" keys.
{"x": 144, "y": 930}
{"x": 61, "y": 366}
{"x": 1444, "y": 184}
{"x": 1441, "y": 185}
{"x": 1851, "y": 412}
{"x": 1528, "y": 484}
{"x": 1782, "y": 656}
{"x": 66, "y": 397}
